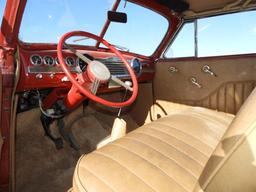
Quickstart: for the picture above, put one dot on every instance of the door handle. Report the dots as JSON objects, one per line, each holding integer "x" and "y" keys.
{"x": 194, "y": 81}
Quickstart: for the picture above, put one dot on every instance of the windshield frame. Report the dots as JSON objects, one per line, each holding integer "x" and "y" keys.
{"x": 107, "y": 23}
{"x": 169, "y": 15}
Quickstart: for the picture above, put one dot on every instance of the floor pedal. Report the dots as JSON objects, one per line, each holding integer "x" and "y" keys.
{"x": 67, "y": 135}
{"x": 46, "y": 122}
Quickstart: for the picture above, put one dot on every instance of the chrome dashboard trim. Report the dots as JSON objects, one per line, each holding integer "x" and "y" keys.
{"x": 56, "y": 61}
{"x": 48, "y": 69}
{"x": 56, "y": 69}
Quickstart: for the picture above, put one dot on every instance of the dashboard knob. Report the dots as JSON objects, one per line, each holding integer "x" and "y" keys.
{"x": 39, "y": 76}
{"x": 51, "y": 75}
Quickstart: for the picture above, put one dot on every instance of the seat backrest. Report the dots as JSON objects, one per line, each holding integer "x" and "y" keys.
{"x": 232, "y": 166}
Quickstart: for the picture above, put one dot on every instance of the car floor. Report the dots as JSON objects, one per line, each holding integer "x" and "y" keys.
{"x": 39, "y": 165}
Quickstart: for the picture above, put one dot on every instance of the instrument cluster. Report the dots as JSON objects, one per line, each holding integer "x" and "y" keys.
{"x": 50, "y": 64}
{"x": 37, "y": 60}
{"x": 41, "y": 69}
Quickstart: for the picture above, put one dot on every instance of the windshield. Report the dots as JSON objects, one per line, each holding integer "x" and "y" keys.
{"x": 2, "y": 6}
{"x": 45, "y": 21}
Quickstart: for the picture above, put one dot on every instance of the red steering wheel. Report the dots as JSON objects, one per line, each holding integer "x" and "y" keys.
{"x": 88, "y": 82}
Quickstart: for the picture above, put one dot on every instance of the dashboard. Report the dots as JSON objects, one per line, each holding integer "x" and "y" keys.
{"x": 40, "y": 69}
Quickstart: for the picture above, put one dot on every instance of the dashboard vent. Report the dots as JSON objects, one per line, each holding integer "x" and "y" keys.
{"x": 116, "y": 67}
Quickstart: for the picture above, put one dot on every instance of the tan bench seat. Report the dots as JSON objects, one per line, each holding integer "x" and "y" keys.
{"x": 166, "y": 155}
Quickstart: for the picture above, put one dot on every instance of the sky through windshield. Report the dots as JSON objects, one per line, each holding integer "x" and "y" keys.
{"x": 45, "y": 21}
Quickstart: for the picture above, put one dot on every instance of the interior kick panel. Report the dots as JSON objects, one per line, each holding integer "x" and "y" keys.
{"x": 225, "y": 90}
{"x": 39, "y": 69}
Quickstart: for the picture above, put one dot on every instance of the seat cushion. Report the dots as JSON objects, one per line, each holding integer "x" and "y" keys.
{"x": 166, "y": 155}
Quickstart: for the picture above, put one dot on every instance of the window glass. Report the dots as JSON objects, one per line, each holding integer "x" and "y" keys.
{"x": 45, "y": 21}
{"x": 143, "y": 31}
{"x": 2, "y": 6}
{"x": 227, "y": 34}
{"x": 184, "y": 44}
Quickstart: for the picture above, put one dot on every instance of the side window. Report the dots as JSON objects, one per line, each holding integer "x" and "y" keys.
{"x": 229, "y": 34}
{"x": 184, "y": 43}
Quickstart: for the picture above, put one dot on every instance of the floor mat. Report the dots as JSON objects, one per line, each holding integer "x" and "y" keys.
{"x": 39, "y": 166}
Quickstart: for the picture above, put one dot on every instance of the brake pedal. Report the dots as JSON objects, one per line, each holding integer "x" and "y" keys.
{"x": 46, "y": 122}
{"x": 67, "y": 135}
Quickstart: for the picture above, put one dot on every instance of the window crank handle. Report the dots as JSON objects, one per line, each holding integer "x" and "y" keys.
{"x": 207, "y": 69}
{"x": 194, "y": 81}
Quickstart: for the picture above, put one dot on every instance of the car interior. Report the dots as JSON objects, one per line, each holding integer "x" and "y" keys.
{"x": 128, "y": 95}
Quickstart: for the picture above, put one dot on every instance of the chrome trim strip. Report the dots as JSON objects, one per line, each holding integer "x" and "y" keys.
{"x": 47, "y": 69}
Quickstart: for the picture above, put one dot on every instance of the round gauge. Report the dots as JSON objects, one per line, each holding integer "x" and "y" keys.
{"x": 36, "y": 60}
{"x": 57, "y": 61}
{"x": 136, "y": 65}
{"x": 70, "y": 61}
{"x": 83, "y": 64}
{"x": 48, "y": 60}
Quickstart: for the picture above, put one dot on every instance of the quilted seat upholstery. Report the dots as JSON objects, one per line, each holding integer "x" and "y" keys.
{"x": 166, "y": 155}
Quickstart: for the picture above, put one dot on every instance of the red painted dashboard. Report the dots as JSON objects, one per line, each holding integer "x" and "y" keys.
{"x": 44, "y": 72}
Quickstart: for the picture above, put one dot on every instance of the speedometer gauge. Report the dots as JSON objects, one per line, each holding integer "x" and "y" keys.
{"x": 70, "y": 61}
{"x": 36, "y": 60}
{"x": 48, "y": 60}
{"x": 82, "y": 64}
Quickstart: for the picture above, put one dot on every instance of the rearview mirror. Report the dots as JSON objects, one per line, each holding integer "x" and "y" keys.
{"x": 118, "y": 17}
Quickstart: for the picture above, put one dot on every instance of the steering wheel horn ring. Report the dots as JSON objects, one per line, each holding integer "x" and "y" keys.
{"x": 96, "y": 71}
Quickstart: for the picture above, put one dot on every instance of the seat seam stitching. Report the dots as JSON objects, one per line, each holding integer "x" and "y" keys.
{"x": 180, "y": 141}
{"x": 122, "y": 165}
{"x": 206, "y": 117}
{"x": 78, "y": 174}
{"x": 177, "y": 139}
{"x": 118, "y": 145}
{"x": 173, "y": 146}
{"x": 100, "y": 179}
{"x": 189, "y": 171}
{"x": 163, "y": 124}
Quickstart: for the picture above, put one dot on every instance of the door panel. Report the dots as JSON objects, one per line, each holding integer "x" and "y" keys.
{"x": 235, "y": 79}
